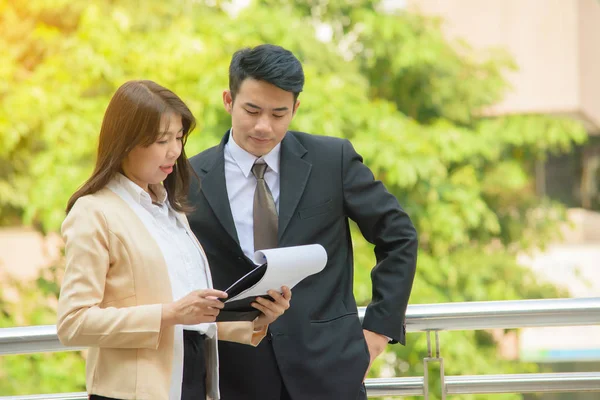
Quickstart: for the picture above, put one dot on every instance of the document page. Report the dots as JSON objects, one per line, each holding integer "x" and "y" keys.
{"x": 285, "y": 266}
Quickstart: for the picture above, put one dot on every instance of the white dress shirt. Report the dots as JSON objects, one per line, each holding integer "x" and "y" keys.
{"x": 241, "y": 185}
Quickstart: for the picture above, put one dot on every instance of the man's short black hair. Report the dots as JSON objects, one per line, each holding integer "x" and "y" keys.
{"x": 269, "y": 63}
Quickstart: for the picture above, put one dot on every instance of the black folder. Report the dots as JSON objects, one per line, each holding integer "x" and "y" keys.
{"x": 240, "y": 309}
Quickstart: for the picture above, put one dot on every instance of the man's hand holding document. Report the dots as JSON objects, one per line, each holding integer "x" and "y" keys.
{"x": 285, "y": 266}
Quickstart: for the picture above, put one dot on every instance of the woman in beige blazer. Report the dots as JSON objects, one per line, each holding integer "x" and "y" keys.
{"x": 137, "y": 288}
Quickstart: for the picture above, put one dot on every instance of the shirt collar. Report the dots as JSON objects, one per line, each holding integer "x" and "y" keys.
{"x": 245, "y": 160}
{"x": 139, "y": 194}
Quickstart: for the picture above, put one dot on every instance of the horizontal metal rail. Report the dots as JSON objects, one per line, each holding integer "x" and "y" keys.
{"x": 524, "y": 383}
{"x": 31, "y": 339}
{"x": 57, "y": 396}
{"x": 419, "y": 317}
{"x": 471, "y": 384}
{"x": 378, "y": 387}
{"x": 486, "y": 384}
{"x": 503, "y": 314}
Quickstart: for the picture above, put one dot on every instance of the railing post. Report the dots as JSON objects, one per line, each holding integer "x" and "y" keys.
{"x": 429, "y": 359}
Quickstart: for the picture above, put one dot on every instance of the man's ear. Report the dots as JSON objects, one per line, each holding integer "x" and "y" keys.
{"x": 296, "y": 107}
{"x": 227, "y": 101}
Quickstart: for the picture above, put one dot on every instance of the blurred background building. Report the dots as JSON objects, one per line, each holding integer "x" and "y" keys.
{"x": 555, "y": 44}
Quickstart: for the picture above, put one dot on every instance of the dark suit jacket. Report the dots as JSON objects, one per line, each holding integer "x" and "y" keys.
{"x": 317, "y": 346}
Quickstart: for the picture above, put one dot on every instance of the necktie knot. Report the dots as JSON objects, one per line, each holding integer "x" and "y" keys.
{"x": 258, "y": 170}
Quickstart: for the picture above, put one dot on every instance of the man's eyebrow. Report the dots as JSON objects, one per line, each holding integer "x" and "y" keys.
{"x": 253, "y": 106}
{"x": 278, "y": 109}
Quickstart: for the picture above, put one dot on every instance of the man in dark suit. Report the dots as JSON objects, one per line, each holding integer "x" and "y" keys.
{"x": 264, "y": 186}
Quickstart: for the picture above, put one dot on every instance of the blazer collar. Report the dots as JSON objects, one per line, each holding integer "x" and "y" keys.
{"x": 214, "y": 187}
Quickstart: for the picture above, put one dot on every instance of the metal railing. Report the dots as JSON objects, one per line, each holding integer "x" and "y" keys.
{"x": 524, "y": 383}
{"x": 429, "y": 318}
{"x": 58, "y": 396}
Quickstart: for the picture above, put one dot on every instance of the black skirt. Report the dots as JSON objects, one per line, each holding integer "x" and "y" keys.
{"x": 194, "y": 368}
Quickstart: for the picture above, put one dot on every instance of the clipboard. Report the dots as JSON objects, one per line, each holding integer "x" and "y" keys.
{"x": 284, "y": 266}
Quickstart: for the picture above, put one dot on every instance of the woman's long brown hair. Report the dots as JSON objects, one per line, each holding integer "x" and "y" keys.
{"x": 132, "y": 119}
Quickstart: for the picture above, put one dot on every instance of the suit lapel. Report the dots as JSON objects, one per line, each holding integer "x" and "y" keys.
{"x": 294, "y": 176}
{"x": 215, "y": 190}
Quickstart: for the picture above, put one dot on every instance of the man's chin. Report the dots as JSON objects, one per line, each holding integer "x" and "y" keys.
{"x": 259, "y": 151}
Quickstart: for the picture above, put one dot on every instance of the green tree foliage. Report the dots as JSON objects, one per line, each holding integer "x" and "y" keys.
{"x": 412, "y": 103}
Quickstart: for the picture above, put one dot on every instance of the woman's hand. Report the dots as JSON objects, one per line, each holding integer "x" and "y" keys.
{"x": 271, "y": 310}
{"x": 197, "y": 307}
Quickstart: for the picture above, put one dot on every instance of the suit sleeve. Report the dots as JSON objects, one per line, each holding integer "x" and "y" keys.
{"x": 81, "y": 319}
{"x": 386, "y": 225}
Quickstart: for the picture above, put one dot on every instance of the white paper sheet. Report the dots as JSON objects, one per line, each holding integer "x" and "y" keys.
{"x": 286, "y": 267}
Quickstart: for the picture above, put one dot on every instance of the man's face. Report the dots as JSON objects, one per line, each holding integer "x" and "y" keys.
{"x": 260, "y": 115}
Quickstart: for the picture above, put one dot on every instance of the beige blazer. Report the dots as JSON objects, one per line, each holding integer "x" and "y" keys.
{"x": 115, "y": 283}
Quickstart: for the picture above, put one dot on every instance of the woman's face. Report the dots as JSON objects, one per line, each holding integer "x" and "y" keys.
{"x": 152, "y": 164}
